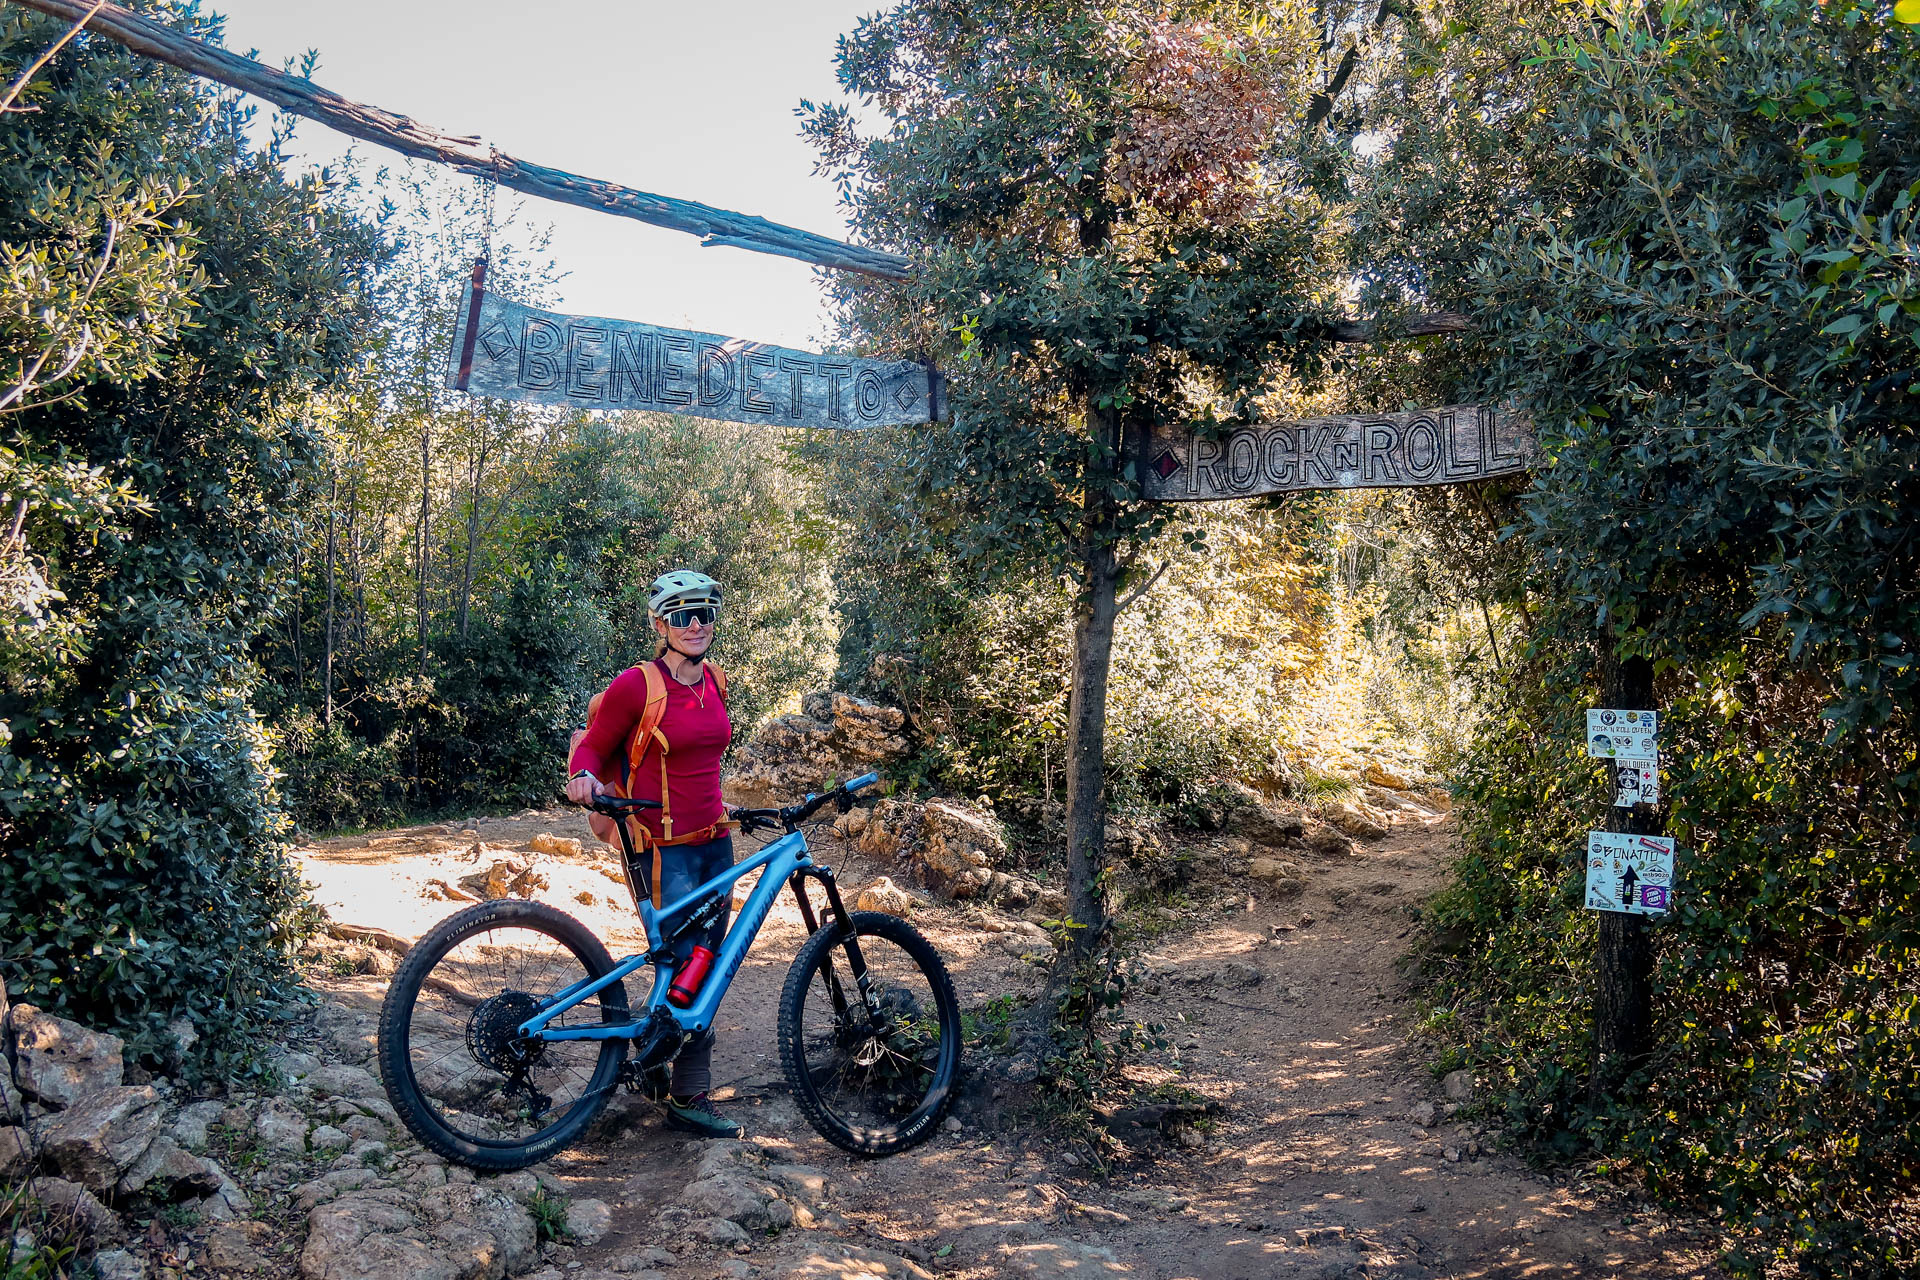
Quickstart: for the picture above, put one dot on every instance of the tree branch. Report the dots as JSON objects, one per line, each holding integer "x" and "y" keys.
{"x": 1142, "y": 589}
{"x": 466, "y": 154}
{"x": 1415, "y": 326}
{"x": 13, "y": 90}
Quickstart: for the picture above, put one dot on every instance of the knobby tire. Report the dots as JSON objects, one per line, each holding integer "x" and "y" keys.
{"x": 924, "y": 1121}
{"x": 396, "y": 1068}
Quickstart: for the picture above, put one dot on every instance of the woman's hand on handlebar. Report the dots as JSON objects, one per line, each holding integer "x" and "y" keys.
{"x": 584, "y": 788}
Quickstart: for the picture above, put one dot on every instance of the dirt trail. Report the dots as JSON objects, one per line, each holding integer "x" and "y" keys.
{"x": 1314, "y": 1167}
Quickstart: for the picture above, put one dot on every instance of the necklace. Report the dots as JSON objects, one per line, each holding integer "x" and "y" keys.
{"x": 698, "y": 688}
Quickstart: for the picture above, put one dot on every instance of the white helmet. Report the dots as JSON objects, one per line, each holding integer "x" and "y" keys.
{"x": 681, "y": 589}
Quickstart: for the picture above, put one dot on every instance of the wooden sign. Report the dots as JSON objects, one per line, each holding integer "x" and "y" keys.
{"x": 1453, "y": 445}
{"x": 515, "y": 352}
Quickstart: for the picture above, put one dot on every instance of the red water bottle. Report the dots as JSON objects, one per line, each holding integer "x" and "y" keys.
{"x": 686, "y": 983}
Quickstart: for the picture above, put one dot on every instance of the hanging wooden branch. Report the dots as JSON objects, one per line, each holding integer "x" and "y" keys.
{"x": 716, "y": 227}
{"x": 468, "y": 155}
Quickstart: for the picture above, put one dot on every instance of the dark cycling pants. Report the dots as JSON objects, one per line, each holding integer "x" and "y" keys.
{"x": 684, "y": 868}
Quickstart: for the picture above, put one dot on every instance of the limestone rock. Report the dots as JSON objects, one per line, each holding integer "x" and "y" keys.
{"x": 1065, "y": 1259}
{"x": 1329, "y": 842}
{"x": 16, "y": 1150}
{"x": 100, "y": 1135}
{"x": 58, "y": 1062}
{"x": 832, "y": 1260}
{"x": 1286, "y": 877}
{"x": 588, "y": 1222}
{"x": 851, "y": 824}
{"x": 229, "y": 1201}
{"x": 483, "y": 1227}
{"x": 1142, "y": 854}
{"x": 190, "y": 1126}
{"x": 1360, "y": 820}
{"x": 119, "y": 1264}
{"x": 835, "y": 736}
{"x": 336, "y": 1080}
{"x": 1424, "y": 1114}
{"x": 230, "y": 1247}
{"x": 1381, "y": 774}
{"x": 100, "y": 1223}
{"x": 558, "y": 846}
{"x": 326, "y": 1139}
{"x": 362, "y": 1238}
{"x": 749, "y": 1202}
{"x": 1240, "y": 974}
{"x": 1250, "y": 814}
{"x": 1458, "y": 1085}
{"x": 803, "y": 1182}
{"x": 652, "y": 1257}
{"x": 168, "y": 1172}
{"x": 884, "y": 895}
{"x": 281, "y": 1127}
{"x": 962, "y": 846}
{"x": 505, "y": 878}
{"x": 720, "y": 1231}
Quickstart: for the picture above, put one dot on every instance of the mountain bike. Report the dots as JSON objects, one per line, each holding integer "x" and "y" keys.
{"x": 507, "y": 1027}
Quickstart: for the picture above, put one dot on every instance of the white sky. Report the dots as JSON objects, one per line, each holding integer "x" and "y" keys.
{"x": 694, "y": 101}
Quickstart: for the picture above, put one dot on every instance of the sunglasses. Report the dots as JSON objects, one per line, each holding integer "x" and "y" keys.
{"x": 701, "y": 615}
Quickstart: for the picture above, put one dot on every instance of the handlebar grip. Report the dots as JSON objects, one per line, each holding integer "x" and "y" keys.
{"x": 864, "y": 780}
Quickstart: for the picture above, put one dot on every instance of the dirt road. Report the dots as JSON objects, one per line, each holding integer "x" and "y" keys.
{"x": 1290, "y": 1012}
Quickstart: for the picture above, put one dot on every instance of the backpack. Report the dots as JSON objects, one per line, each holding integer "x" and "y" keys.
{"x": 646, "y": 735}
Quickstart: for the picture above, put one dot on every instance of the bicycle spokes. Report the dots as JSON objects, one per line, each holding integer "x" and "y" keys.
{"x": 486, "y": 1081}
{"x": 872, "y": 1068}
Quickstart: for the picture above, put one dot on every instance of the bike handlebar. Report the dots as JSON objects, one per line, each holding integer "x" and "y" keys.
{"x": 793, "y": 815}
{"x": 618, "y": 806}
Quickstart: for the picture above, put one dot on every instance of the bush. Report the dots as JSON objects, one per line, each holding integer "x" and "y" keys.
{"x": 146, "y": 877}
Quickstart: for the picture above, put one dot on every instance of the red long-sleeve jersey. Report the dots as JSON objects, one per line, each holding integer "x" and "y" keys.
{"x": 697, "y": 730}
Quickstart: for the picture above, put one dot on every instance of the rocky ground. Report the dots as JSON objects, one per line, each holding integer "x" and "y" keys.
{"x": 1290, "y": 1127}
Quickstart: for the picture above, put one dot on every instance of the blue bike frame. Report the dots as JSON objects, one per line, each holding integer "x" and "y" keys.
{"x": 780, "y": 859}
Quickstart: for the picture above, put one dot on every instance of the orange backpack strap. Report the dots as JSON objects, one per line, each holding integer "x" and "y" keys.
{"x": 719, "y": 680}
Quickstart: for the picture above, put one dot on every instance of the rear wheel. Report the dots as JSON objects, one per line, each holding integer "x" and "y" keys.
{"x": 460, "y": 1075}
{"x": 872, "y": 1085}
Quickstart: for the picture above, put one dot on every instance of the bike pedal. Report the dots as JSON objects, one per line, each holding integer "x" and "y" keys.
{"x": 650, "y": 1084}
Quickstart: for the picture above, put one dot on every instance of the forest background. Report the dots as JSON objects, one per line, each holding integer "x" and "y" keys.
{"x": 263, "y": 570}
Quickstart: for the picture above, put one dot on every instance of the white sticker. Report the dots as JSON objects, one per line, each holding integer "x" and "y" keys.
{"x": 1613, "y": 734}
{"x": 1626, "y": 873}
{"x": 1636, "y": 782}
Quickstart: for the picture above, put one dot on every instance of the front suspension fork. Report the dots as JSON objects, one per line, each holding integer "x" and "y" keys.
{"x": 843, "y": 922}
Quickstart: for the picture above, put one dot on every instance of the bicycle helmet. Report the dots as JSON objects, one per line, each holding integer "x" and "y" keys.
{"x": 681, "y": 589}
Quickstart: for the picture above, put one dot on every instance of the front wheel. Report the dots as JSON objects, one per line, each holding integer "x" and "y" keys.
{"x": 458, "y": 1072}
{"x": 874, "y": 1077}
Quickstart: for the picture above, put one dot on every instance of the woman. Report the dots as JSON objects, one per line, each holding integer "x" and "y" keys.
{"x": 689, "y": 843}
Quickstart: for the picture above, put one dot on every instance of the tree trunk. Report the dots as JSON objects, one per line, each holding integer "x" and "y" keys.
{"x": 426, "y": 482}
{"x": 299, "y": 666}
{"x": 1094, "y": 614}
{"x": 1623, "y": 953}
{"x": 326, "y": 661}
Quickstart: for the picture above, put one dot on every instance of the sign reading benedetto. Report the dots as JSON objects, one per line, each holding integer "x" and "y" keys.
{"x": 516, "y": 352}
{"x": 1459, "y": 443}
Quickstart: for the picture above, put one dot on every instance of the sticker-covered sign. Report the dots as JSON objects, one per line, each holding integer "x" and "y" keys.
{"x": 1635, "y": 782}
{"x": 1626, "y": 873}
{"x": 1613, "y": 734}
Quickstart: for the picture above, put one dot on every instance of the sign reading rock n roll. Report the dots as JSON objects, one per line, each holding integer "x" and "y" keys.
{"x": 1628, "y": 873}
{"x": 1614, "y": 734}
{"x": 1454, "y": 445}
{"x": 515, "y": 352}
